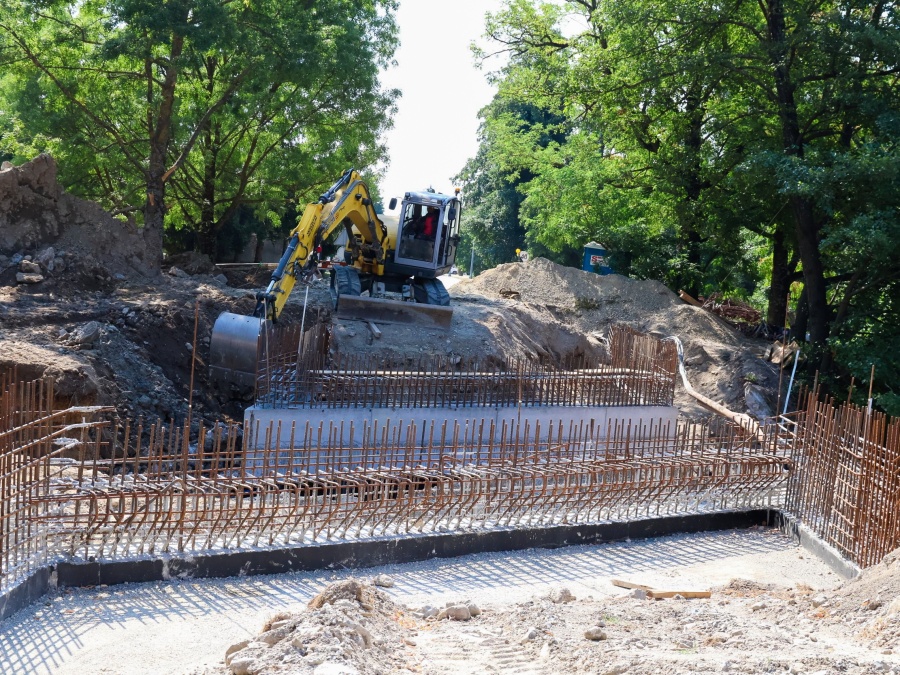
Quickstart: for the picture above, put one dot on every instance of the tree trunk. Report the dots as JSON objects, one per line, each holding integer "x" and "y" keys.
{"x": 208, "y": 231}
{"x": 693, "y": 188}
{"x": 780, "y": 285}
{"x": 813, "y": 270}
{"x": 801, "y": 319}
{"x": 805, "y": 223}
{"x": 155, "y": 207}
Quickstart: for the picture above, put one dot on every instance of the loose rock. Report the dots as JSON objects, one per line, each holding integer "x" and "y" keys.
{"x": 28, "y": 267}
{"x": 561, "y": 595}
{"x": 458, "y": 613}
{"x": 86, "y": 334}
{"x": 45, "y": 258}
{"x": 383, "y": 581}
{"x": 596, "y": 633}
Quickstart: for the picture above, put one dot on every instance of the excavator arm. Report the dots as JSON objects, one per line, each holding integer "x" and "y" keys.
{"x": 236, "y": 339}
{"x": 348, "y": 203}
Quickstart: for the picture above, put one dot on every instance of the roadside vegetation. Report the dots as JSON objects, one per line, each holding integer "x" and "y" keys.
{"x": 746, "y": 148}
{"x": 202, "y": 120}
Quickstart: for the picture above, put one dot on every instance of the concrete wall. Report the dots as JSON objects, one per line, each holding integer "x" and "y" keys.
{"x": 583, "y": 421}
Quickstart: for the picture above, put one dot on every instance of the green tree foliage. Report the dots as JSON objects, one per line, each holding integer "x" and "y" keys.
{"x": 492, "y": 221}
{"x": 719, "y": 145}
{"x": 190, "y": 110}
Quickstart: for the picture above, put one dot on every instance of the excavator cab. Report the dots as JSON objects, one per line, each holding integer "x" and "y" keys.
{"x": 427, "y": 235}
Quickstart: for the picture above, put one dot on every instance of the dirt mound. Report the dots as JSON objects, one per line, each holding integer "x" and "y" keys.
{"x": 871, "y": 603}
{"x": 73, "y": 379}
{"x": 350, "y": 589}
{"x": 351, "y": 628}
{"x": 480, "y": 334}
{"x": 543, "y": 282}
{"x": 721, "y": 363}
{"x": 191, "y": 262}
{"x": 70, "y": 241}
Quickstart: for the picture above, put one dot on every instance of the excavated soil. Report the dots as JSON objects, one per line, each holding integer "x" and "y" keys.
{"x": 721, "y": 362}
{"x": 543, "y": 312}
{"x": 112, "y": 331}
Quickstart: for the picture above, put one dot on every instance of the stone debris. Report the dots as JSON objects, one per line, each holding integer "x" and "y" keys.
{"x": 595, "y": 633}
{"x": 349, "y": 628}
{"x": 427, "y": 612}
{"x": 349, "y": 589}
{"x": 29, "y": 267}
{"x": 25, "y": 278}
{"x": 561, "y": 595}
{"x": 457, "y": 613}
{"x": 46, "y": 258}
{"x": 383, "y": 581}
{"x": 86, "y": 335}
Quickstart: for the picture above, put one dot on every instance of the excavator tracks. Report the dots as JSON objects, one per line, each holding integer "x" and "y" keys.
{"x": 431, "y": 292}
{"x": 345, "y": 283}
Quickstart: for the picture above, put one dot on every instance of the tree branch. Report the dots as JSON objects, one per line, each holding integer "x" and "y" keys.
{"x": 223, "y": 99}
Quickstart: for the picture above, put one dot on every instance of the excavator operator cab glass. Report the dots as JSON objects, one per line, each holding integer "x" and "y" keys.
{"x": 418, "y": 232}
{"x": 449, "y": 235}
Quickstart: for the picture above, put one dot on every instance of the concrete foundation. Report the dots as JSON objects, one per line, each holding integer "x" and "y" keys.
{"x": 593, "y": 422}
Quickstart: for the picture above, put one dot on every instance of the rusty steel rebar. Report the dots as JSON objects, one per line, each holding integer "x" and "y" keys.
{"x": 640, "y": 370}
{"x": 80, "y": 482}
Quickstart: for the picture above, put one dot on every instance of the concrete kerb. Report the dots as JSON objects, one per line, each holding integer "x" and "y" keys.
{"x": 821, "y": 549}
{"x": 361, "y": 554}
{"x": 398, "y": 550}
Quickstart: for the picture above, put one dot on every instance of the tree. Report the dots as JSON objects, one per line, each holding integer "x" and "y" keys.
{"x": 491, "y": 185}
{"x": 708, "y": 126}
{"x": 227, "y": 103}
{"x": 646, "y": 176}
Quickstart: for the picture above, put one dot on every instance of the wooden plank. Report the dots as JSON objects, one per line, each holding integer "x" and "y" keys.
{"x": 689, "y": 300}
{"x": 628, "y": 584}
{"x": 657, "y": 595}
{"x": 376, "y": 331}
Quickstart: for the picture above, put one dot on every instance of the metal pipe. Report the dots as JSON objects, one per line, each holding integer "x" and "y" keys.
{"x": 787, "y": 398}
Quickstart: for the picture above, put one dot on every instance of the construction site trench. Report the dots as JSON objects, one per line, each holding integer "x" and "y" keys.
{"x": 550, "y": 413}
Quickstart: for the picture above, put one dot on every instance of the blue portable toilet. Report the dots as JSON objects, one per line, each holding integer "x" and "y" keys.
{"x": 595, "y": 259}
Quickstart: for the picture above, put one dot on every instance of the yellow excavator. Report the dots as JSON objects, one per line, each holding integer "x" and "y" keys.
{"x": 402, "y": 255}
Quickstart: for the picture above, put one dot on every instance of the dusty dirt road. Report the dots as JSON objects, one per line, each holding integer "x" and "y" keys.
{"x": 771, "y": 620}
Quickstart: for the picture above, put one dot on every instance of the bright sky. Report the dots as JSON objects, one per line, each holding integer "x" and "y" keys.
{"x": 436, "y": 122}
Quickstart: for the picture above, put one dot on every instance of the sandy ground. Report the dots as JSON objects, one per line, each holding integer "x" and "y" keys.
{"x": 185, "y": 627}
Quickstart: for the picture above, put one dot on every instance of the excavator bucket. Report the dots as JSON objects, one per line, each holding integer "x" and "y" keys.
{"x": 380, "y": 310}
{"x": 234, "y": 349}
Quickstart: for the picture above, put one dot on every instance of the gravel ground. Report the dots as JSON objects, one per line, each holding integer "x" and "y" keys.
{"x": 185, "y": 627}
